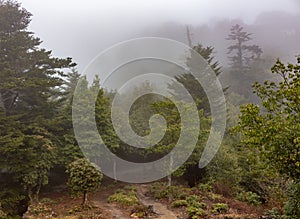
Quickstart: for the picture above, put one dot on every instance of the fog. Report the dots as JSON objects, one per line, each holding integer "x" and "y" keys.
{"x": 82, "y": 29}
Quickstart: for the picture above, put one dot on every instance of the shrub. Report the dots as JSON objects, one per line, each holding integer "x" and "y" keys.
{"x": 249, "y": 197}
{"x": 273, "y": 213}
{"x": 219, "y": 208}
{"x": 161, "y": 191}
{"x": 292, "y": 207}
{"x": 129, "y": 188}
{"x": 179, "y": 203}
{"x": 207, "y": 187}
{"x": 124, "y": 198}
{"x": 195, "y": 213}
{"x": 193, "y": 199}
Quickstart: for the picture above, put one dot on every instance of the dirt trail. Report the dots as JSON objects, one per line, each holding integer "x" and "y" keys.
{"x": 160, "y": 209}
{"x": 111, "y": 209}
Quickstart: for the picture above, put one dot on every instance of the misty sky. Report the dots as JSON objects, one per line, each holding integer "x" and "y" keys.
{"x": 82, "y": 29}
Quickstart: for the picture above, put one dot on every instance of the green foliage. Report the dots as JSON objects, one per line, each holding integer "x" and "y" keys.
{"x": 220, "y": 208}
{"x": 161, "y": 191}
{"x": 124, "y": 198}
{"x": 273, "y": 213}
{"x": 190, "y": 82}
{"x": 292, "y": 207}
{"x": 158, "y": 190}
{"x": 274, "y": 131}
{"x": 249, "y": 197}
{"x": 195, "y": 213}
{"x": 278, "y": 124}
{"x": 243, "y": 53}
{"x": 193, "y": 200}
{"x": 89, "y": 144}
{"x": 30, "y": 100}
{"x": 83, "y": 177}
{"x": 169, "y": 111}
{"x": 246, "y": 64}
{"x": 179, "y": 203}
{"x": 205, "y": 187}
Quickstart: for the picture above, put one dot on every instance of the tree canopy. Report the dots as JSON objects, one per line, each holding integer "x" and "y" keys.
{"x": 275, "y": 129}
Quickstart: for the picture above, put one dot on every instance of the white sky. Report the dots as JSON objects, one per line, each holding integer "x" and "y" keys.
{"x": 67, "y": 26}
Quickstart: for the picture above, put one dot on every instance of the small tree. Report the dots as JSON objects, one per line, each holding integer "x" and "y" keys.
{"x": 84, "y": 177}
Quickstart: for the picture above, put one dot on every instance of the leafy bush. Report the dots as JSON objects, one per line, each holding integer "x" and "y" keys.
{"x": 193, "y": 199}
{"x": 158, "y": 190}
{"x": 219, "y": 208}
{"x": 129, "y": 188}
{"x": 292, "y": 207}
{"x": 205, "y": 187}
{"x": 195, "y": 213}
{"x": 249, "y": 197}
{"x": 124, "y": 198}
{"x": 161, "y": 191}
{"x": 273, "y": 213}
{"x": 179, "y": 203}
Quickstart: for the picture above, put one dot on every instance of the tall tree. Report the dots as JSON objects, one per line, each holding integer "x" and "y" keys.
{"x": 244, "y": 57}
{"x": 243, "y": 53}
{"x": 29, "y": 76}
{"x": 168, "y": 110}
{"x": 68, "y": 149}
{"x": 190, "y": 82}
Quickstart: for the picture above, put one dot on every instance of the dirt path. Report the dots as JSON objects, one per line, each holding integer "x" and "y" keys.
{"x": 160, "y": 209}
{"x": 110, "y": 208}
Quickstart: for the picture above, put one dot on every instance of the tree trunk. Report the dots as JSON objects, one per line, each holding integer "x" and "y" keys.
{"x": 115, "y": 171}
{"x": 188, "y": 34}
{"x": 85, "y": 197}
{"x": 39, "y": 186}
{"x": 170, "y": 170}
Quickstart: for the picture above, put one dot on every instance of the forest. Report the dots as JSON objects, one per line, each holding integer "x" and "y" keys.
{"x": 50, "y": 170}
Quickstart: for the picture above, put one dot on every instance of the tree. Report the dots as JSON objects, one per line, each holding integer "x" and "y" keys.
{"x": 275, "y": 129}
{"x": 242, "y": 60}
{"x": 243, "y": 53}
{"x": 68, "y": 149}
{"x": 168, "y": 110}
{"x": 84, "y": 177}
{"x": 189, "y": 81}
{"x": 29, "y": 78}
{"x": 87, "y": 137}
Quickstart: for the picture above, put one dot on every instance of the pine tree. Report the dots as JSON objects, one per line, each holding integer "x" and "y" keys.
{"x": 29, "y": 78}
{"x": 189, "y": 81}
{"x": 243, "y": 54}
{"x": 246, "y": 64}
